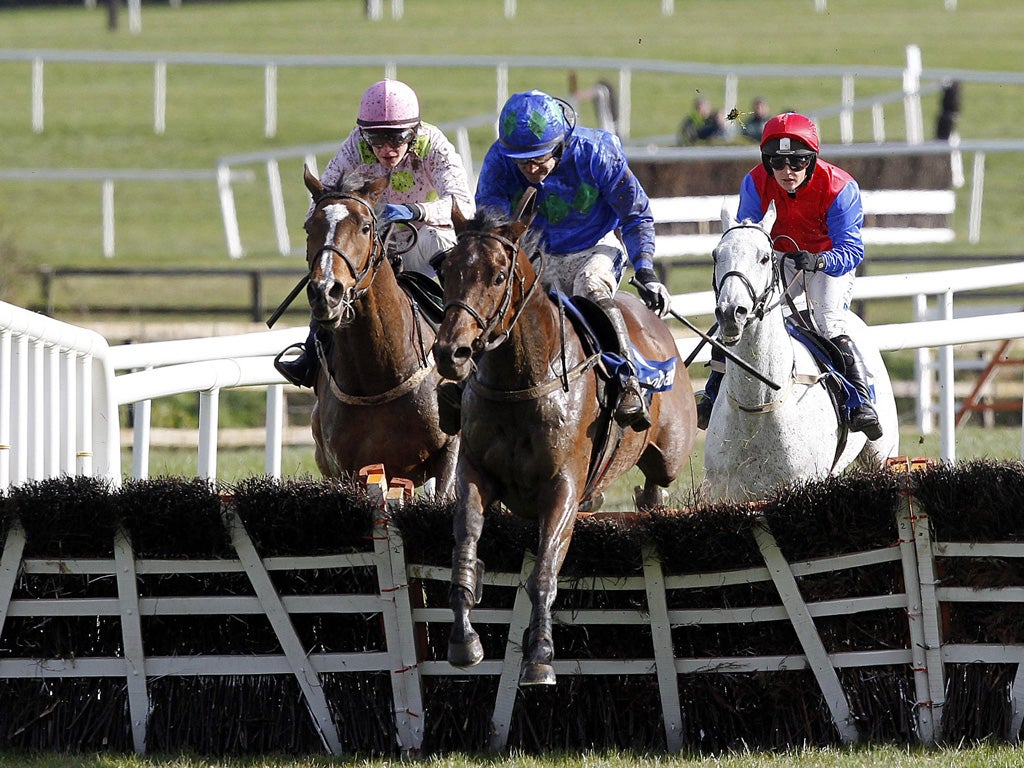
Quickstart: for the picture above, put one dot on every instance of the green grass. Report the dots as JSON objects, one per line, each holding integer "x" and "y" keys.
{"x": 100, "y": 115}
{"x": 984, "y": 756}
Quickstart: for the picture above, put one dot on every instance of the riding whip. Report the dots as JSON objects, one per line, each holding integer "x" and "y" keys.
{"x": 287, "y": 301}
{"x": 717, "y": 345}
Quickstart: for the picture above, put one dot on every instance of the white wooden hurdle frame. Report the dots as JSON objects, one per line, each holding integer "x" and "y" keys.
{"x": 59, "y": 400}
{"x": 925, "y": 653}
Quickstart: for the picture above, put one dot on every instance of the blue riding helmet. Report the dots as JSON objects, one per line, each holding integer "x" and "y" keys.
{"x": 531, "y": 124}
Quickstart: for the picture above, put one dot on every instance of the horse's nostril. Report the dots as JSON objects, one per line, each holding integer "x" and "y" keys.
{"x": 335, "y": 293}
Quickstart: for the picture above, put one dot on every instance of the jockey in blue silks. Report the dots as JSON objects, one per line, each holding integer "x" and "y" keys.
{"x": 585, "y": 192}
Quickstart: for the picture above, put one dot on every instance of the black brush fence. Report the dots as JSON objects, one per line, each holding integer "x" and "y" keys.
{"x": 301, "y": 616}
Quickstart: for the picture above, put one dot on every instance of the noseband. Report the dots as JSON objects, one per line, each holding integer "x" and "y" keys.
{"x": 486, "y": 341}
{"x": 759, "y": 301}
{"x": 363, "y": 278}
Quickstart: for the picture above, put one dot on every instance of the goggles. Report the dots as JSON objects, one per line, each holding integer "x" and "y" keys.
{"x": 796, "y": 162}
{"x": 391, "y": 138}
{"x": 534, "y": 162}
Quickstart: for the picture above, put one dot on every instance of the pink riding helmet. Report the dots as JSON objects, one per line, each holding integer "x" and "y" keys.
{"x": 389, "y": 104}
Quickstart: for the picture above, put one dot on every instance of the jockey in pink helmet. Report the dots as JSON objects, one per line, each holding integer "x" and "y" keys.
{"x": 818, "y": 231}
{"x": 425, "y": 173}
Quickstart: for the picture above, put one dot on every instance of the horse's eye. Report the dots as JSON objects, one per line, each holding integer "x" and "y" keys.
{"x": 366, "y": 228}
{"x": 500, "y": 278}
{"x": 714, "y": 255}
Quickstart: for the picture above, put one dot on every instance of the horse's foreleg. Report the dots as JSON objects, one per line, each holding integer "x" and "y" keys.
{"x": 542, "y": 586}
{"x": 464, "y": 648}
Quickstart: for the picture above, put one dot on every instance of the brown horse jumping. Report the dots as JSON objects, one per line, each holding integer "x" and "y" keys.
{"x": 376, "y": 400}
{"x": 531, "y": 417}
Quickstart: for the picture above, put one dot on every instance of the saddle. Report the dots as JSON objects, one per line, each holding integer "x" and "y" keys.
{"x": 426, "y": 295}
{"x": 597, "y": 336}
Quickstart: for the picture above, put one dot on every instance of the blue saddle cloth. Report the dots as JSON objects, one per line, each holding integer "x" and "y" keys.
{"x": 653, "y": 375}
{"x": 845, "y": 392}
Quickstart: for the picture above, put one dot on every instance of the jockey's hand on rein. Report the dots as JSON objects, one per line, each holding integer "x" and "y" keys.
{"x": 394, "y": 212}
{"x": 805, "y": 260}
{"x": 654, "y": 294}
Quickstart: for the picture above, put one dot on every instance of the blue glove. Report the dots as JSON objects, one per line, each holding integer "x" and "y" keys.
{"x": 402, "y": 213}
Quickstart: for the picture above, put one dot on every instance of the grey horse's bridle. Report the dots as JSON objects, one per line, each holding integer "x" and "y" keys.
{"x": 759, "y": 301}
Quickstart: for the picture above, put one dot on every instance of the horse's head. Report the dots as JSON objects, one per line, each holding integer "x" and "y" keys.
{"x": 746, "y": 273}
{"x": 343, "y": 246}
{"x": 487, "y": 278}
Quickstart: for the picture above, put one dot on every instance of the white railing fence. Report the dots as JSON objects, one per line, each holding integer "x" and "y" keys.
{"x": 61, "y": 387}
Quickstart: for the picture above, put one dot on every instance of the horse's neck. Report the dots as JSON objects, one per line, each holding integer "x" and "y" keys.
{"x": 384, "y": 341}
{"x": 766, "y": 345}
{"x": 525, "y": 358}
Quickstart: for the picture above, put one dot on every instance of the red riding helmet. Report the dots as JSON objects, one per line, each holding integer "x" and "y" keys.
{"x": 789, "y": 134}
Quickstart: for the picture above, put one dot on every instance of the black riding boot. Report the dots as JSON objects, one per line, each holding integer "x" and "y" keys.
{"x": 863, "y": 418}
{"x": 706, "y": 397}
{"x": 631, "y": 409}
{"x": 303, "y": 369}
{"x": 449, "y": 406}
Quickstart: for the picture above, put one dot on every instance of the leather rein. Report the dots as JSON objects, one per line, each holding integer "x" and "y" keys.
{"x": 488, "y": 339}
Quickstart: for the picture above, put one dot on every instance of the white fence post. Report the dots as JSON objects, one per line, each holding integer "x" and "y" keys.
{"x": 37, "y": 95}
{"x": 160, "y": 97}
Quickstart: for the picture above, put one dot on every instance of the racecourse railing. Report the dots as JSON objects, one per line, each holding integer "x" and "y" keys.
{"x": 61, "y": 387}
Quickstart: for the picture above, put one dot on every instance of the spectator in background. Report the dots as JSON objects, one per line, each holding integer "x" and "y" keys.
{"x": 753, "y": 126}
{"x": 702, "y": 124}
{"x": 946, "y": 124}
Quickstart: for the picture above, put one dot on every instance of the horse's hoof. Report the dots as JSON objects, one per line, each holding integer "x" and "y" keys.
{"x": 537, "y": 674}
{"x": 467, "y": 653}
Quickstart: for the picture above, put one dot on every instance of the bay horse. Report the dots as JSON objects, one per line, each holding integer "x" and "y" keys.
{"x": 376, "y": 401}
{"x": 760, "y": 438}
{"x": 532, "y": 420}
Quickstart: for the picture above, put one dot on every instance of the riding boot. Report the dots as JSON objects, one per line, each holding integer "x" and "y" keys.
{"x": 863, "y": 417}
{"x": 303, "y": 369}
{"x": 449, "y": 406}
{"x": 631, "y": 409}
{"x": 706, "y": 397}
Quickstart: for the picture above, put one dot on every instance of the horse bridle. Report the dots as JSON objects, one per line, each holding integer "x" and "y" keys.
{"x": 759, "y": 301}
{"x": 363, "y": 278}
{"x": 485, "y": 342}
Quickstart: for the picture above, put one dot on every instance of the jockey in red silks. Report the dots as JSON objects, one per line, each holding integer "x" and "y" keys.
{"x": 818, "y": 229}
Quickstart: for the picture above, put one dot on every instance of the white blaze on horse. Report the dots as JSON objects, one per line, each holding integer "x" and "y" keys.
{"x": 760, "y": 438}
{"x": 376, "y": 387}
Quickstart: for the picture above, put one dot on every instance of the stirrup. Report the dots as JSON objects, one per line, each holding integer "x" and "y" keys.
{"x": 298, "y": 371}
{"x": 864, "y": 419}
{"x": 633, "y": 414}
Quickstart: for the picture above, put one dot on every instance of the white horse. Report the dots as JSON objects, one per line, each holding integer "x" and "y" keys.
{"x": 758, "y": 437}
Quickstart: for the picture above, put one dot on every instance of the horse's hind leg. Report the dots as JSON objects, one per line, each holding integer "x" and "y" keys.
{"x": 464, "y": 648}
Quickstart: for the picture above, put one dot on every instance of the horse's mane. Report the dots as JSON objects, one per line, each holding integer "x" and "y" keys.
{"x": 486, "y": 219}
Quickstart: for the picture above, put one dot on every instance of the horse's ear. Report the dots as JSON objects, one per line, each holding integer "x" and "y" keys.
{"x": 375, "y": 189}
{"x": 312, "y": 182}
{"x": 769, "y": 218}
{"x": 728, "y": 222}
{"x": 458, "y": 220}
{"x": 527, "y": 207}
